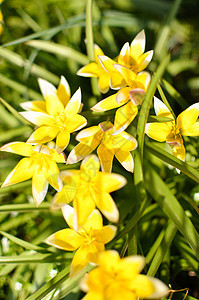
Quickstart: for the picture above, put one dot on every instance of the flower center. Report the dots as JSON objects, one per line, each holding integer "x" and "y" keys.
{"x": 61, "y": 121}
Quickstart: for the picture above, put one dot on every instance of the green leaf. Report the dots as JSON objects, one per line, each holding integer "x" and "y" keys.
{"x": 24, "y": 207}
{"x": 34, "y": 258}
{"x": 171, "y": 207}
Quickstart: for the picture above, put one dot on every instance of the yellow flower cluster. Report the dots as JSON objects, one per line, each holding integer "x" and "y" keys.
{"x": 88, "y": 189}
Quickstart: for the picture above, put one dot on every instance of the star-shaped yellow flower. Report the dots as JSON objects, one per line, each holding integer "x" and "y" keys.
{"x": 186, "y": 124}
{"x": 127, "y": 98}
{"x": 131, "y": 56}
{"x": 88, "y": 240}
{"x": 109, "y": 145}
{"x": 40, "y": 164}
{"x": 88, "y": 188}
{"x": 57, "y": 116}
{"x": 116, "y": 279}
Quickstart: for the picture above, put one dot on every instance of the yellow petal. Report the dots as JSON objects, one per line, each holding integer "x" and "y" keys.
{"x": 160, "y": 288}
{"x": 21, "y": 172}
{"x": 80, "y": 260}
{"x": 59, "y": 158}
{"x": 107, "y": 206}
{"x": 191, "y": 130}
{"x": 144, "y": 60}
{"x": 62, "y": 141}
{"x": 179, "y": 152}
{"x": 108, "y": 260}
{"x": 126, "y": 159}
{"x": 97, "y": 51}
{"x": 158, "y": 131}
{"x": 46, "y": 87}
{"x": 92, "y": 281}
{"x": 93, "y": 295}
{"x": 161, "y": 109}
{"x": 83, "y": 198}
{"x": 90, "y": 166}
{"x": 124, "y": 141}
{"x": 76, "y": 122}
{"x": 124, "y": 116}
{"x": 63, "y": 91}
{"x": 70, "y": 216}
{"x": 142, "y": 286}
{"x": 142, "y": 81}
{"x": 53, "y": 176}
{"x": 73, "y": 105}
{"x": 107, "y": 63}
{"x": 128, "y": 75}
{"x": 187, "y": 119}
{"x": 123, "y": 95}
{"x": 43, "y": 135}
{"x": 39, "y": 184}
{"x": 103, "y": 82}
{"x": 106, "y": 234}
{"x": 117, "y": 81}
{"x": 91, "y": 70}
{"x": 110, "y": 182}
{"x": 39, "y": 106}
{"x": 106, "y": 104}
{"x": 118, "y": 292}
{"x": 123, "y": 57}
{"x": 79, "y": 152}
{"x": 106, "y": 157}
{"x": 94, "y": 221}
{"x": 131, "y": 265}
{"x": 87, "y": 135}
{"x": 20, "y": 148}
{"x": 37, "y": 118}
{"x": 137, "y": 46}
{"x": 65, "y": 239}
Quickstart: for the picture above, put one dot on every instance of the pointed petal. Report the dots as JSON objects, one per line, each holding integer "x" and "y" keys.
{"x": 123, "y": 58}
{"x": 106, "y": 158}
{"x": 108, "y": 207}
{"x": 69, "y": 215}
{"x": 39, "y": 106}
{"x": 108, "y": 260}
{"x": 110, "y": 182}
{"x": 126, "y": 159}
{"x": 117, "y": 81}
{"x": 43, "y": 135}
{"x": 94, "y": 221}
{"x": 97, "y": 51}
{"x": 91, "y": 70}
{"x": 63, "y": 91}
{"x": 124, "y": 141}
{"x": 106, "y": 104}
{"x": 107, "y": 63}
{"x": 20, "y": 148}
{"x": 59, "y": 158}
{"x": 39, "y": 184}
{"x": 144, "y": 60}
{"x": 124, "y": 116}
{"x": 103, "y": 82}
{"x": 86, "y": 135}
{"x": 123, "y": 95}
{"x": 131, "y": 265}
{"x": 46, "y": 87}
{"x": 79, "y": 261}
{"x": 79, "y": 152}
{"x": 158, "y": 131}
{"x": 142, "y": 286}
{"x": 62, "y": 141}
{"x": 142, "y": 81}
{"x": 37, "y": 118}
{"x": 76, "y": 122}
{"x": 21, "y": 172}
{"x": 191, "y": 130}
{"x": 160, "y": 289}
{"x": 90, "y": 166}
{"x": 106, "y": 234}
{"x": 137, "y": 96}
{"x": 161, "y": 109}
{"x": 73, "y": 105}
{"x": 187, "y": 118}
{"x": 83, "y": 198}
{"x": 53, "y": 176}
{"x": 65, "y": 239}
{"x": 179, "y": 152}
{"x": 137, "y": 46}
{"x": 128, "y": 75}
{"x": 65, "y": 196}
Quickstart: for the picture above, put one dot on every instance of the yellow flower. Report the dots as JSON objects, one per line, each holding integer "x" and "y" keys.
{"x": 109, "y": 145}
{"x": 127, "y": 98}
{"x": 131, "y": 57}
{"x": 116, "y": 279}
{"x": 57, "y": 116}
{"x": 89, "y": 239}
{"x": 88, "y": 188}
{"x": 172, "y": 131}
{"x": 40, "y": 164}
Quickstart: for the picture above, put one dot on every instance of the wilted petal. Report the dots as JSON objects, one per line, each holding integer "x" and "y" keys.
{"x": 62, "y": 141}
{"x": 63, "y": 91}
{"x": 137, "y": 46}
{"x": 20, "y": 148}
{"x": 158, "y": 131}
{"x": 43, "y": 135}
{"x": 126, "y": 159}
{"x": 21, "y": 172}
{"x": 106, "y": 158}
{"x": 124, "y": 116}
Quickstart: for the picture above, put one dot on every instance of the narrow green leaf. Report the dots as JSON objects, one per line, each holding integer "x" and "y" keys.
{"x": 34, "y": 258}
{"x": 155, "y": 247}
{"x": 171, "y": 207}
{"x": 172, "y": 160}
{"x": 59, "y": 50}
{"x": 10, "y": 134}
{"x": 24, "y": 207}
{"x": 174, "y": 94}
{"x": 15, "y": 187}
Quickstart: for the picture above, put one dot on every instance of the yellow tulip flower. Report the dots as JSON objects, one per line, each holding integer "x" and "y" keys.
{"x": 109, "y": 145}
{"x": 116, "y": 279}
{"x": 131, "y": 57}
{"x": 57, "y": 116}
{"x": 172, "y": 131}
{"x": 39, "y": 163}
{"x": 88, "y": 188}
{"x": 88, "y": 240}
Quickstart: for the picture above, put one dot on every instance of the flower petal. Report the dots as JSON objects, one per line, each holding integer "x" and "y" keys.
{"x": 83, "y": 199}
{"x": 107, "y": 206}
{"x": 187, "y": 119}
{"x": 86, "y": 136}
{"x": 43, "y": 135}
{"x": 106, "y": 234}
{"x": 73, "y": 105}
{"x": 110, "y": 182}
{"x": 137, "y": 46}
{"x": 126, "y": 159}
{"x": 106, "y": 158}
{"x": 123, "y": 57}
{"x": 124, "y": 116}
{"x": 128, "y": 75}
{"x": 91, "y": 70}
{"x": 80, "y": 260}
{"x": 62, "y": 141}
{"x": 106, "y": 104}
{"x": 158, "y": 131}
{"x": 142, "y": 286}
{"x": 161, "y": 109}
{"x": 160, "y": 289}
{"x": 37, "y": 105}
{"x": 191, "y": 130}
{"x": 21, "y": 172}
{"x": 123, "y": 95}
{"x": 79, "y": 152}
{"x": 46, "y": 87}
{"x": 179, "y": 152}
{"x": 59, "y": 158}
{"x": 124, "y": 141}
{"x": 53, "y": 176}
{"x": 104, "y": 82}
{"x": 76, "y": 122}
{"x": 107, "y": 63}
{"x": 65, "y": 239}
{"x": 20, "y": 148}
{"x": 90, "y": 166}
{"x": 144, "y": 60}
{"x": 117, "y": 81}
{"x": 38, "y": 118}
{"x": 142, "y": 81}
{"x": 69, "y": 215}
{"x": 39, "y": 184}
{"x": 94, "y": 221}
{"x": 63, "y": 91}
